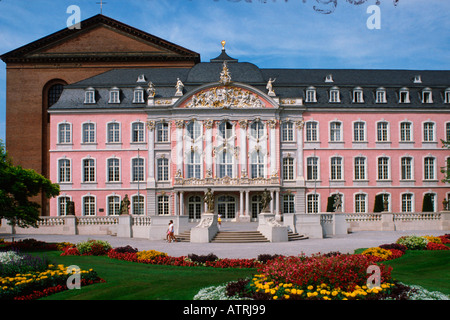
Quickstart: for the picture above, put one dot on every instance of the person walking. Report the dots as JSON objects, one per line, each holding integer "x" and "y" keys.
{"x": 172, "y": 237}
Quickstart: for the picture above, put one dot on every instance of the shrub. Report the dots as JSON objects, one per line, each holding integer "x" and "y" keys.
{"x": 381, "y": 254}
{"x": 202, "y": 258}
{"x": 126, "y": 249}
{"x": 263, "y": 258}
{"x": 93, "y": 247}
{"x": 395, "y": 246}
{"x": 12, "y": 263}
{"x": 413, "y": 242}
{"x": 150, "y": 254}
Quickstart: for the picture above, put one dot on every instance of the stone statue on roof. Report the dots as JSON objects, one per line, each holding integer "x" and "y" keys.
{"x": 151, "y": 90}
{"x": 269, "y": 86}
{"x": 179, "y": 86}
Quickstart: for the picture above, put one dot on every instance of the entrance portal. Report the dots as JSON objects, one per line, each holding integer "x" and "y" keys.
{"x": 226, "y": 206}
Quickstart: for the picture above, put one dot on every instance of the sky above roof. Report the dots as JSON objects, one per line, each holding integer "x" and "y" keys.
{"x": 329, "y": 34}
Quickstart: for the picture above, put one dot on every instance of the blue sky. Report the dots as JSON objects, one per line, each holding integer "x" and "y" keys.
{"x": 414, "y": 34}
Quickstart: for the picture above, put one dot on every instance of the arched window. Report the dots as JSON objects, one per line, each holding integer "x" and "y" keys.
{"x": 226, "y": 206}
{"x": 226, "y": 130}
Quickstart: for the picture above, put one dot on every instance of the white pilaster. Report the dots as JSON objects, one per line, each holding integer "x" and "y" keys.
{"x": 273, "y": 153}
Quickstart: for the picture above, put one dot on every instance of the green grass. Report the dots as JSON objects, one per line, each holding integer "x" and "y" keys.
{"x": 428, "y": 269}
{"x": 137, "y": 281}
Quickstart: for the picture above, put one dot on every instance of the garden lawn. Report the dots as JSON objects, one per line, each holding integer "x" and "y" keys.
{"x": 429, "y": 269}
{"x": 138, "y": 281}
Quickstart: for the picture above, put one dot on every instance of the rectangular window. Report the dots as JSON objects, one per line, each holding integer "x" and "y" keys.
{"x": 257, "y": 165}
{"x": 383, "y": 168}
{"x": 311, "y": 131}
{"x": 312, "y": 168}
{"x": 334, "y": 96}
{"x": 163, "y": 169}
{"x": 404, "y": 96}
{"x": 359, "y": 131}
{"x": 62, "y": 205}
{"x": 137, "y": 132}
{"x": 360, "y": 203}
{"x": 447, "y": 131}
{"x": 113, "y": 170}
{"x": 428, "y": 132}
{"x": 138, "y": 204}
{"x": 335, "y": 131}
{"x": 88, "y": 133}
{"x": 407, "y": 204}
{"x": 288, "y": 132}
{"x": 313, "y": 203}
{"x": 336, "y": 168}
{"x": 113, "y": 132}
{"x": 138, "y": 169}
{"x": 89, "y": 97}
{"x": 163, "y": 205}
{"x": 360, "y": 168}
{"x": 288, "y": 168}
{"x": 406, "y": 168}
{"x": 113, "y": 205}
{"x": 310, "y": 95}
{"x": 64, "y": 170}
{"x": 193, "y": 166}
{"x": 382, "y": 131}
{"x": 428, "y": 170}
{"x": 162, "y": 132}
{"x": 89, "y": 206}
{"x": 114, "y": 96}
{"x": 288, "y": 203}
{"x": 358, "y": 96}
{"x": 381, "y": 96}
{"x": 405, "y": 132}
{"x": 138, "y": 96}
{"x": 88, "y": 170}
{"x": 64, "y": 134}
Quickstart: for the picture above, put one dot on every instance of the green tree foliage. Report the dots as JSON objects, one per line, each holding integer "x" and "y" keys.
{"x": 378, "y": 206}
{"x": 427, "y": 205}
{"x": 17, "y": 186}
{"x": 446, "y": 170}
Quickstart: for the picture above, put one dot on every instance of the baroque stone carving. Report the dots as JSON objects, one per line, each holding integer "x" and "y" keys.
{"x": 225, "y": 97}
{"x": 151, "y": 125}
{"x": 225, "y": 75}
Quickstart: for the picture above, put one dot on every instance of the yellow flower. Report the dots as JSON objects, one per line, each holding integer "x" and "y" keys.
{"x": 286, "y": 296}
{"x": 310, "y": 287}
{"x": 275, "y": 297}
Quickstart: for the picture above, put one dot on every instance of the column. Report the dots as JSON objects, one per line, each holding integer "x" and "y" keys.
{"x": 241, "y": 203}
{"x": 179, "y": 148}
{"x": 299, "y": 125}
{"x": 273, "y": 152}
{"x": 247, "y": 203}
{"x": 151, "y": 151}
{"x": 277, "y": 206}
{"x": 181, "y": 203}
{"x": 177, "y": 204}
{"x": 208, "y": 147}
{"x": 271, "y": 202}
{"x": 243, "y": 144}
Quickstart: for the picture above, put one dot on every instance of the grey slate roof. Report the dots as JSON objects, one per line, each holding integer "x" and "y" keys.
{"x": 289, "y": 83}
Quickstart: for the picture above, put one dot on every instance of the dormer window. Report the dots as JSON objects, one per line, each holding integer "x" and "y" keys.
{"x": 447, "y": 96}
{"x": 311, "y": 95}
{"x": 114, "y": 95}
{"x": 380, "y": 95}
{"x": 358, "y": 95}
{"x": 138, "y": 95}
{"x": 329, "y": 78}
{"x": 89, "y": 96}
{"x": 427, "y": 96}
{"x": 334, "y": 95}
{"x": 403, "y": 95}
{"x": 417, "y": 79}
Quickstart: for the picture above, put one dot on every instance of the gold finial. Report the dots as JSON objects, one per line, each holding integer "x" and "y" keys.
{"x": 223, "y": 44}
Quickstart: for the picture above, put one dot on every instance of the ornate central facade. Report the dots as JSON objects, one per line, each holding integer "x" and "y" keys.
{"x": 164, "y": 136}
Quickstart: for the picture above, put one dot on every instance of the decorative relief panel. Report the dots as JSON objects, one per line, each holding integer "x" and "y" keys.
{"x": 225, "y": 97}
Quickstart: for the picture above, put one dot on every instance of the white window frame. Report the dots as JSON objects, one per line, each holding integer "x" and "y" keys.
{"x": 118, "y": 168}
{"x": 358, "y": 95}
{"x": 315, "y": 174}
{"x": 257, "y": 165}
{"x": 403, "y": 131}
{"x": 116, "y": 132}
{"x": 65, "y": 169}
{"x": 288, "y": 168}
{"x": 138, "y": 95}
{"x": 447, "y": 95}
{"x": 83, "y": 171}
{"x": 311, "y": 95}
{"x": 134, "y": 204}
{"x": 383, "y": 134}
{"x": 225, "y": 164}
{"x": 66, "y": 133}
{"x": 312, "y": 131}
{"x": 108, "y": 210}
{"x": 288, "y": 203}
{"x": 407, "y": 204}
{"x": 335, "y": 95}
{"x": 89, "y": 96}
{"x": 358, "y": 203}
{"x": 357, "y": 131}
{"x": 162, "y": 169}
{"x": 83, "y": 201}
{"x": 287, "y": 131}
{"x": 136, "y": 136}
{"x": 163, "y": 205}
{"x": 336, "y": 169}
{"x": 383, "y": 169}
{"x": 313, "y": 205}
{"x": 429, "y": 169}
{"x": 224, "y": 132}
{"x": 403, "y": 95}
{"x": 194, "y": 165}
{"x": 408, "y": 167}
{"x": 257, "y": 130}
{"x": 68, "y": 198}
{"x": 114, "y": 96}
{"x": 135, "y": 169}
{"x": 194, "y": 130}
{"x": 336, "y": 131}
{"x": 427, "y": 95}
{"x": 89, "y": 135}
{"x": 380, "y": 95}
{"x": 162, "y": 132}
{"x": 429, "y": 134}
{"x": 360, "y": 168}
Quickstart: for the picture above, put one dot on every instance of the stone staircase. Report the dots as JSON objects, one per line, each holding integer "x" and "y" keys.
{"x": 239, "y": 237}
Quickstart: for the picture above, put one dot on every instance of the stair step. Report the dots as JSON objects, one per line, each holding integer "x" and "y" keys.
{"x": 295, "y": 236}
{"x": 239, "y": 237}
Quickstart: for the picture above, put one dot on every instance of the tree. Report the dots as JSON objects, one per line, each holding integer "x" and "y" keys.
{"x": 427, "y": 205}
{"x": 17, "y": 186}
{"x": 378, "y": 206}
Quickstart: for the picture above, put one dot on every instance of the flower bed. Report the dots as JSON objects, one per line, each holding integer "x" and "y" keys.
{"x": 36, "y": 284}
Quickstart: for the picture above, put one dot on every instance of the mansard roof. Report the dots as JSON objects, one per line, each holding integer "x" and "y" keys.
{"x": 289, "y": 83}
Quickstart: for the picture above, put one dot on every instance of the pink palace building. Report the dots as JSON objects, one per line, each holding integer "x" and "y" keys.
{"x": 317, "y": 140}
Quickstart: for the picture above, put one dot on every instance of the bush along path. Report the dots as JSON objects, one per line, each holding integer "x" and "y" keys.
{"x": 331, "y": 276}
